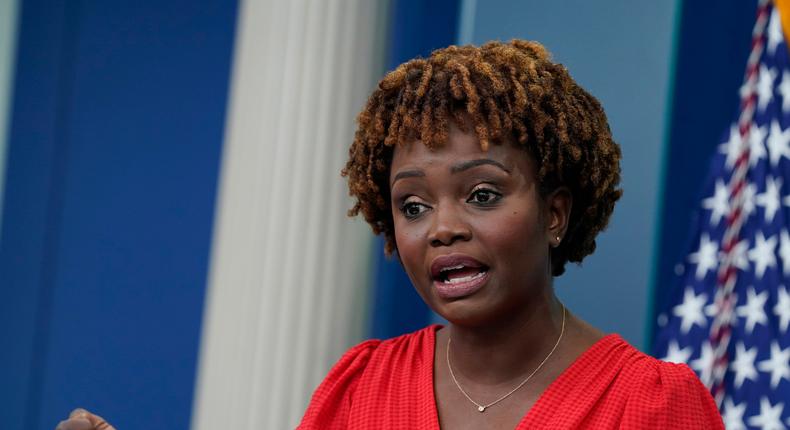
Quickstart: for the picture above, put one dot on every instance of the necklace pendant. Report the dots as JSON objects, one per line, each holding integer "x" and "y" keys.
{"x": 481, "y": 408}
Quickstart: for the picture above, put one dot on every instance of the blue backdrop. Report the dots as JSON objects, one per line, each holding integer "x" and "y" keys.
{"x": 115, "y": 139}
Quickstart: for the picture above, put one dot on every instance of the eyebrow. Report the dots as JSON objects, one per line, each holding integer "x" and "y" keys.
{"x": 407, "y": 174}
{"x": 466, "y": 165}
{"x": 460, "y": 167}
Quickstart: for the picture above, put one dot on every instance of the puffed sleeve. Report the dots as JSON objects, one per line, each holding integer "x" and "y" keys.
{"x": 331, "y": 402}
{"x": 670, "y": 396}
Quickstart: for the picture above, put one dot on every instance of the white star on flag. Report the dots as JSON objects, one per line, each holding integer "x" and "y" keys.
{"x": 765, "y": 86}
{"x": 769, "y": 200}
{"x": 784, "y": 90}
{"x": 703, "y": 365}
{"x": 757, "y": 149}
{"x": 748, "y": 200}
{"x": 732, "y": 147}
{"x": 690, "y": 311}
{"x": 705, "y": 257}
{"x": 778, "y": 143}
{"x": 733, "y": 415}
{"x": 770, "y": 416}
{"x": 677, "y": 355}
{"x": 753, "y": 310}
{"x": 778, "y": 365}
{"x": 782, "y": 308}
{"x": 718, "y": 203}
{"x": 775, "y": 36}
{"x": 763, "y": 254}
{"x": 743, "y": 365}
{"x": 784, "y": 251}
{"x": 739, "y": 255}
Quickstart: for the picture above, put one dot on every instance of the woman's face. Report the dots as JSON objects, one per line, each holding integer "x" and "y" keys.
{"x": 472, "y": 231}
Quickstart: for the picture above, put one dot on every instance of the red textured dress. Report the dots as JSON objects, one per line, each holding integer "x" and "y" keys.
{"x": 389, "y": 385}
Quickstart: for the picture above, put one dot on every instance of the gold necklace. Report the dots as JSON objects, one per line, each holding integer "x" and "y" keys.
{"x": 481, "y": 407}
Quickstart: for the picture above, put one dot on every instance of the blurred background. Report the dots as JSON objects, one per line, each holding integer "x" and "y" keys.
{"x": 175, "y": 251}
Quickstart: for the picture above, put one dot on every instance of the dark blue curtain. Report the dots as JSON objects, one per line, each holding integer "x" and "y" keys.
{"x": 116, "y": 131}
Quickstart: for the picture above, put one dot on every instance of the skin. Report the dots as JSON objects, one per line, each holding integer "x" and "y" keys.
{"x": 80, "y": 419}
{"x": 446, "y": 201}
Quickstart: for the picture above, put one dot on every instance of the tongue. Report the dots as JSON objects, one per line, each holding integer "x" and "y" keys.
{"x": 462, "y": 273}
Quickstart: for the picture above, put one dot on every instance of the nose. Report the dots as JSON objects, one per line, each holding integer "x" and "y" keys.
{"x": 448, "y": 227}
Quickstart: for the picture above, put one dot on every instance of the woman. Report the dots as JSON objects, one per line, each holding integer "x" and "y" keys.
{"x": 487, "y": 170}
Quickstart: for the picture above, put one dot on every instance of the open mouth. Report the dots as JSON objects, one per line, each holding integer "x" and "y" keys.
{"x": 460, "y": 273}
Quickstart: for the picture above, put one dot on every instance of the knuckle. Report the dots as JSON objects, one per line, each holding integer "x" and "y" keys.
{"x": 63, "y": 425}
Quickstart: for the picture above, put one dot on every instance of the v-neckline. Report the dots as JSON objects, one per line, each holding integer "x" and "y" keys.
{"x": 428, "y": 377}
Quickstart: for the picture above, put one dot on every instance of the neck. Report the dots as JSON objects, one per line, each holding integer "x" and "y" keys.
{"x": 511, "y": 348}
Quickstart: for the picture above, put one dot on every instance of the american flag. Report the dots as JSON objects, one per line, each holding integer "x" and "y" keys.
{"x": 729, "y": 316}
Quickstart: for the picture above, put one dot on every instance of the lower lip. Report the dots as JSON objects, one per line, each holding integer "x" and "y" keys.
{"x": 447, "y": 290}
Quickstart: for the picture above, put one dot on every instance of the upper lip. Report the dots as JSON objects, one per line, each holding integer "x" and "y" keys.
{"x": 451, "y": 260}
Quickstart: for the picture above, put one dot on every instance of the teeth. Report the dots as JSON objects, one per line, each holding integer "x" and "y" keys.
{"x": 464, "y": 279}
{"x": 444, "y": 269}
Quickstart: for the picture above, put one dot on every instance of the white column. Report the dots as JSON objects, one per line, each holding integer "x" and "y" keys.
{"x": 289, "y": 271}
{"x": 8, "y": 28}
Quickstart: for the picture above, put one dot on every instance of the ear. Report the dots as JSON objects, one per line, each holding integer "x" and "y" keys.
{"x": 558, "y": 212}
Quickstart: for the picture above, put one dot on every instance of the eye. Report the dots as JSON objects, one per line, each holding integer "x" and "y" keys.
{"x": 484, "y": 196}
{"x": 413, "y": 209}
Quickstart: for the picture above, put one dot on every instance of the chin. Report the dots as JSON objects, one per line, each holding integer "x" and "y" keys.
{"x": 466, "y": 312}
{"x": 486, "y": 308}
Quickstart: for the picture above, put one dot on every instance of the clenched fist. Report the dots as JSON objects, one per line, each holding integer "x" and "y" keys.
{"x": 80, "y": 419}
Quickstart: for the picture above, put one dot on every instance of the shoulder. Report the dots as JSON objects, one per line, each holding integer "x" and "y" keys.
{"x": 664, "y": 395}
{"x": 350, "y": 378}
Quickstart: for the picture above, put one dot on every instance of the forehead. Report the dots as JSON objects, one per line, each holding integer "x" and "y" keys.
{"x": 460, "y": 146}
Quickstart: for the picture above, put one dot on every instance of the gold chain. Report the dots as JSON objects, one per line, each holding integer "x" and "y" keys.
{"x": 481, "y": 407}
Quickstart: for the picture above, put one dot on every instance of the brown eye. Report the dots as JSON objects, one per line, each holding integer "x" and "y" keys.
{"x": 412, "y": 209}
{"x": 484, "y": 196}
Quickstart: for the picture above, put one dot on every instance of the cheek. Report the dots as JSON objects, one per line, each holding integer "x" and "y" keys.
{"x": 411, "y": 251}
{"x": 513, "y": 234}
{"x": 403, "y": 237}
{"x": 409, "y": 243}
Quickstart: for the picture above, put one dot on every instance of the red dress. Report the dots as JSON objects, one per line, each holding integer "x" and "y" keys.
{"x": 389, "y": 385}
